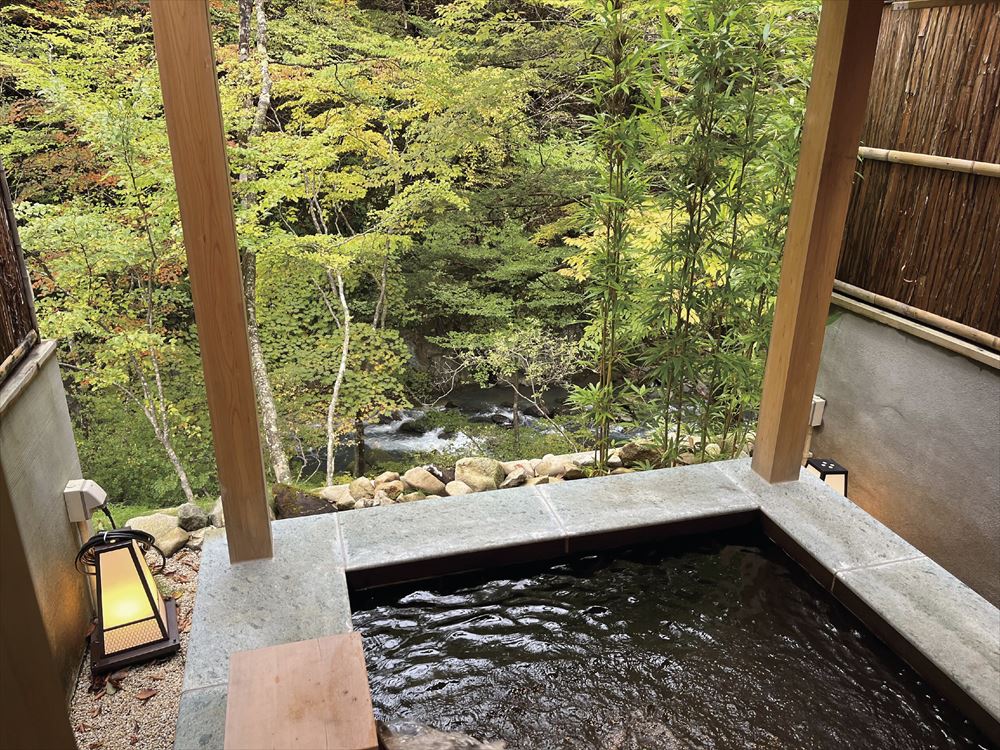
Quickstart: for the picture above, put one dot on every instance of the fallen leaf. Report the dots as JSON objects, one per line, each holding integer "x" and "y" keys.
{"x": 95, "y": 745}
{"x": 145, "y": 695}
{"x": 82, "y": 727}
{"x": 133, "y": 739}
{"x": 95, "y": 712}
{"x": 155, "y": 676}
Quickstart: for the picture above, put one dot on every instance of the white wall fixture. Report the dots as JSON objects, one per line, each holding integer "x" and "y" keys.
{"x": 83, "y": 497}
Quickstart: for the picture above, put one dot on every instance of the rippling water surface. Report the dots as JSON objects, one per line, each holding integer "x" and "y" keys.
{"x": 718, "y": 643}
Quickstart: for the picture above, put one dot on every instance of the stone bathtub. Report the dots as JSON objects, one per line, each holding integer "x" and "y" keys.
{"x": 945, "y": 631}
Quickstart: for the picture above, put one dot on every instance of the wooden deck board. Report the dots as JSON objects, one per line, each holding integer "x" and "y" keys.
{"x": 309, "y": 694}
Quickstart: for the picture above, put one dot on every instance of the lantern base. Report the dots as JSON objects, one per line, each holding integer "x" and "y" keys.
{"x": 99, "y": 662}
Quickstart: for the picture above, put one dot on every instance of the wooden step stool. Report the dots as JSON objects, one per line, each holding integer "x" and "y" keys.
{"x": 309, "y": 695}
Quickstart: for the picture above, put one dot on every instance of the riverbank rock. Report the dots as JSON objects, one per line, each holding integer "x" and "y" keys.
{"x": 455, "y": 488}
{"x": 639, "y": 452}
{"x": 418, "y": 479}
{"x": 339, "y": 495}
{"x": 392, "y": 489}
{"x": 197, "y": 538}
{"x": 292, "y": 503}
{"x": 509, "y": 466}
{"x": 191, "y": 517}
{"x": 385, "y": 477}
{"x": 532, "y": 481}
{"x": 550, "y": 466}
{"x": 361, "y": 488}
{"x": 573, "y": 471}
{"x": 218, "y": 516}
{"x": 515, "y": 479}
{"x": 410, "y": 497}
{"x": 480, "y": 473}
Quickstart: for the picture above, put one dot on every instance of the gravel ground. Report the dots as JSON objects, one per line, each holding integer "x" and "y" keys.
{"x": 137, "y": 706}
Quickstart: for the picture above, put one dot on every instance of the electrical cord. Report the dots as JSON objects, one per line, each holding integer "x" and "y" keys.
{"x": 86, "y": 558}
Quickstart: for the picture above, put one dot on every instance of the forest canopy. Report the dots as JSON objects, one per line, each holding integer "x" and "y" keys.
{"x": 581, "y": 204}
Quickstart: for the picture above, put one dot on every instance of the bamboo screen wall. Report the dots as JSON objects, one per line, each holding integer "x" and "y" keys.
{"x": 18, "y": 330}
{"x": 925, "y": 236}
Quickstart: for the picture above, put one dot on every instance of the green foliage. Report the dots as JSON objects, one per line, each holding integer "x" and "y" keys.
{"x": 519, "y": 185}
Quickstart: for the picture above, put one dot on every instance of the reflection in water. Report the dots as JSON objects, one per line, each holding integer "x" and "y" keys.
{"x": 695, "y": 644}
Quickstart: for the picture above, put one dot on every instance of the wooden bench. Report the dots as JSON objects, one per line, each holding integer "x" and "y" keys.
{"x": 309, "y": 695}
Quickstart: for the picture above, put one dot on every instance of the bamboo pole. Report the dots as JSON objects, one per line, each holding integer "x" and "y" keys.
{"x": 921, "y": 4}
{"x": 981, "y": 338}
{"x": 919, "y": 330}
{"x": 968, "y": 166}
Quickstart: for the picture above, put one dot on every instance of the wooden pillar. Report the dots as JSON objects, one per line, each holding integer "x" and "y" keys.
{"x": 835, "y": 111}
{"x": 33, "y": 711}
{"x": 188, "y": 81}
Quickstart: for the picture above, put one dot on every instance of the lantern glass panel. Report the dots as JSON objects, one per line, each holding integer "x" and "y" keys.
{"x": 128, "y": 614}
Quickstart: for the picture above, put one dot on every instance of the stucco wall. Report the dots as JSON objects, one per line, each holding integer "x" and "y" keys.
{"x": 918, "y": 427}
{"x": 38, "y": 456}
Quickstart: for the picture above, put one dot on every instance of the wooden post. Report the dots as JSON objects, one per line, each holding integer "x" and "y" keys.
{"x": 835, "y": 111}
{"x": 33, "y": 712}
{"x": 186, "y": 60}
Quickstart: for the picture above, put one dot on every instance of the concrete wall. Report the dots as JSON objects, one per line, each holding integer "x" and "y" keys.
{"x": 918, "y": 427}
{"x": 37, "y": 457}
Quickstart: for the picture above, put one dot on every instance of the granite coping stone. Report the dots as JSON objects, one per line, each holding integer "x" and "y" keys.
{"x": 300, "y": 593}
{"x": 648, "y": 498}
{"x": 833, "y": 532}
{"x": 445, "y": 527}
{"x": 201, "y": 719}
{"x": 947, "y": 622}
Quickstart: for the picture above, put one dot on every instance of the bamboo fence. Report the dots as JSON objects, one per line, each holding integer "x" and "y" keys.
{"x": 923, "y": 227}
{"x": 18, "y": 328}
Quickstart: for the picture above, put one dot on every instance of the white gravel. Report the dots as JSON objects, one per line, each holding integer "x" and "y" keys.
{"x": 113, "y": 712}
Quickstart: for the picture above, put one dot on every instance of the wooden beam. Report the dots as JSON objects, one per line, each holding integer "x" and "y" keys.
{"x": 186, "y": 60}
{"x": 835, "y": 111}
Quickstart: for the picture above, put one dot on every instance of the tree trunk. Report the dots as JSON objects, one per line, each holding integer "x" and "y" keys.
{"x": 331, "y": 437}
{"x": 359, "y": 448}
{"x": 265, "y": 396}
{"x": 178, "y": 467}
{"x": 248, "y": 261}
{"x": 516, "y": 419}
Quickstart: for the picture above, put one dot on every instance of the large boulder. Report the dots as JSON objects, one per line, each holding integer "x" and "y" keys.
{"x": 455, "y": 488}
{"x": 292, "y": 503}
{"x": 480, "y": 473}
{"x": 218, "y": 516}
{"x": 157, "y": 524}
{"x": 418, "y": 479}
{"x": 172, "y": 541}
{"x": 410, "y": 497}
{"x": 639, "y": 452}
{"x": 191, "y": 517}
{"x": 339, "y": 495}
{"x": 361, "y": 488}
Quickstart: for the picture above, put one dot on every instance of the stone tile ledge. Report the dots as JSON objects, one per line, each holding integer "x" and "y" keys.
{"x": 945, "y": 630}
